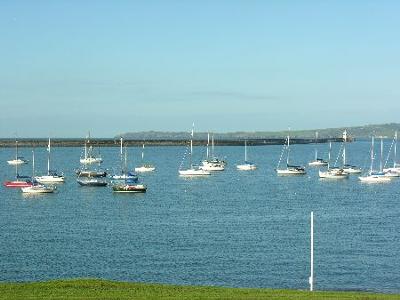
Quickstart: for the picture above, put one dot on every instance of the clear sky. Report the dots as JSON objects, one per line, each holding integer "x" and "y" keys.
{"x": 67, "y": 67}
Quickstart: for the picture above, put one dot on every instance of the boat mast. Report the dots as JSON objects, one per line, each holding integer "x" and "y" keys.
{"x": 329, "y": 154}
{"x": 208, "y": 145}
{"x": 245, "y": 151}
{"x": 395, "y": 150}
{"x": 48, "y": 157}
{"x": 372, "y": 155}
{"x": 16, "y": 157}
{"x": 191, "y": 147}
{"x": 16, "y": 150}
{"x": 142, "y": 153}
{"x": 33, "y": 164}
{"x": 288, "y": 149}
{"x": 316, "y": 140}
{"x": 120, "y": 154}
{"x": 125, "y": 163}
{"x": 212, "y": 146}
{"x": 381, "y": 162}
{"x": 344, "y": 147}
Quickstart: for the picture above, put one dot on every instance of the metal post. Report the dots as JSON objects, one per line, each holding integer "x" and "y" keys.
{"x": 311, "y": 279}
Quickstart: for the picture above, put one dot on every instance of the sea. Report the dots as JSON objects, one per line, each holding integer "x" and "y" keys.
{"x": 233, "y": 228}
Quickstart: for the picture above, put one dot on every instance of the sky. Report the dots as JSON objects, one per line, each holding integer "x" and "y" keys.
{"x": 67, "y": 67}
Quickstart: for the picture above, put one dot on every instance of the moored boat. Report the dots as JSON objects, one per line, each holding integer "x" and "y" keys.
{"x": 51, "y": 176}
{"x": 375, "y": 176}
{"x": 18, "y": 160}
{"x": 332, "y": 173}
{"x": 192, "y": 170}
{"x": 90, "y": 181}
{"x": 247, "y": 165}
{"x": 145, "y": 167}
{"x": 317, "y": 162}
{"x": 290, "y": 169}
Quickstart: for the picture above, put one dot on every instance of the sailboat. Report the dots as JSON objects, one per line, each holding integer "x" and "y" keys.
{"x": 332, "y": 173}
{"x": 192, "y": 170}
{"x": 347, "y": 167}
{"x": 37, "y": 188}
{"x": 212, "y": 163}
{"x": 290, "y": 169}
{"x": 124, "y": 169}
{"x": 374, "y": 176}
{"x": 18, "y": 160}
{"x": 395, "y": 170}
{"x": 127, "y": 182}
{"x": 247, "y": 166}
{"x": 144, "y": 167}
{"x": 52, "y": 176}
{"x": 89, "y": 157}
{"x": 317, "y": 162}
{"x": 20, "y": 181}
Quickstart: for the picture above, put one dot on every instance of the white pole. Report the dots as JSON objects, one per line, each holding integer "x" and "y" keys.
{"x": 311, "y": 279}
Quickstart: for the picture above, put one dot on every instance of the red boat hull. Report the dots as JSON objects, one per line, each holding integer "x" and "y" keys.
{"x": 17, "y": 184}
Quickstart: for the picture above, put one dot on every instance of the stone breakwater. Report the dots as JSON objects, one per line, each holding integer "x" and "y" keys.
{"x": 59, "y": 142}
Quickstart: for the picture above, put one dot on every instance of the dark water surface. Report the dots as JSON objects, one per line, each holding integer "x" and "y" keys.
{"x": 242, "y": 229}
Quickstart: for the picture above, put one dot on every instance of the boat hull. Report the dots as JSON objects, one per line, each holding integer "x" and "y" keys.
{"x": 91, "y": 182}
{"x": 246, "y": 167}
{"x": 352, "y": 170}
{"x": 194, "y": 172}
{"x": 15, "y": 162}
{"x": 317, "y": 163}
{"x": 88, "y": 173}
{"x": 333, "y": 174}
{"x": 290, "y": 172}
{"x": 374, "y": 179}
{"x": 17, "y": 184}
{"x": 144, "y": 169}
{"x": 129, "y": 188}
{"x": 50, "y": 179}
{"x": 38, "y": 189}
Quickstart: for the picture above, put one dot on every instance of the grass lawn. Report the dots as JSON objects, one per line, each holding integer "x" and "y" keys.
{"x": 103, "y": 289}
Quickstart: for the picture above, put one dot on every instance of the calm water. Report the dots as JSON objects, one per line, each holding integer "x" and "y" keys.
{"x": 243, "y": 229}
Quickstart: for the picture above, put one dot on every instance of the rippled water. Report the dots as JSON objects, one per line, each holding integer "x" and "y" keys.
{"x": 244, "y": 229}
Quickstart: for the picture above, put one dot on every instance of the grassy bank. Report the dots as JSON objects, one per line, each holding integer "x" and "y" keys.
{"x": 102, "y": 289}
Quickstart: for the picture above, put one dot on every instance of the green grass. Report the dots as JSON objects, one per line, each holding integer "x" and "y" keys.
{"x": 103, "y": 289}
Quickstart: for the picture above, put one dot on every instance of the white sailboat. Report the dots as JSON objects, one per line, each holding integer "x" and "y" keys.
{"x": 374, "y": 176}
{"x": 247, "y": 166}
{"x": 317, "y": 162}
{"x": 144, "y": 167}
{"x": 347, "y": 167}
{"x": 192, "y": 170}
{"x": 37, "y": 188}
{"x": 213, "y": 163}
{"x": 395, "y": 170}
{"x": 290, "y": 169}
{"x": 18, "y": 160}
{"x": 89, "y": 158}
{"x": 52, "y": 176}
{"x": 332, "y": 173}
{"x": 124, "y": 166}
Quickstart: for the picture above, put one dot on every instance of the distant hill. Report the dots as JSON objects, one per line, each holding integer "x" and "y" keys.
{"x": 355, "y": 132}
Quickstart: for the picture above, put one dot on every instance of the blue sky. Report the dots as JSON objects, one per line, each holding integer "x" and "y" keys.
{"x": 115, "y": 66}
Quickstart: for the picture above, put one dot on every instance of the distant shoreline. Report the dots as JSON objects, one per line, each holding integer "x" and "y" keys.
{"x": 59, "y": 142}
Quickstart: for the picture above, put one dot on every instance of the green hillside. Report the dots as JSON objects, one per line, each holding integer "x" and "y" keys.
{"x": 357, "y": 132}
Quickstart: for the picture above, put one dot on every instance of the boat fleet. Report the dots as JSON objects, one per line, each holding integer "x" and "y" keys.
{"x": 90, "y": 173}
